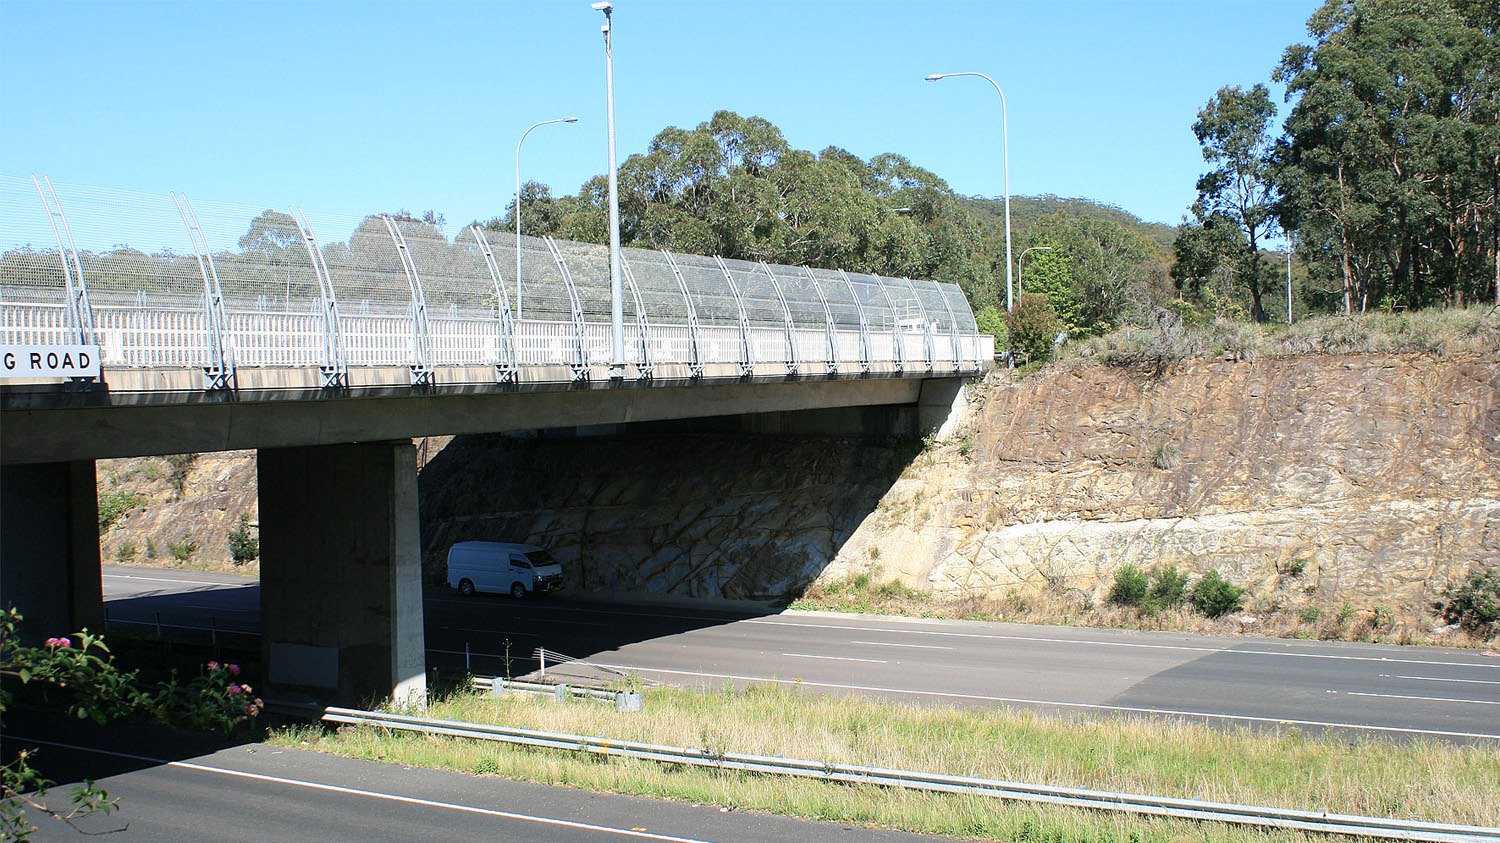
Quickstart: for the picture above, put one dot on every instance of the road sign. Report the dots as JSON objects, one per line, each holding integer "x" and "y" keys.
{"x": 49, "y": 361}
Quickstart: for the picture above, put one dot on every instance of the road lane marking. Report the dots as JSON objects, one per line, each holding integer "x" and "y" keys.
{"x": 893, "y": 644}
{"x": 1442, "y": 679}
{"x": 373, "y": 794}
{"x": 834, "y": 658}
{"x": 175, "y": 581}
{"x": 1208, "y": 715}
{"x": 1409, "y": 697}
{"x": 1183, "y": 647}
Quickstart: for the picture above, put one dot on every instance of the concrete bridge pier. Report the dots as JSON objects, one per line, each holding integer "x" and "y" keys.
{"x": 341, "y": 573}
{"x": 49, "y": 513}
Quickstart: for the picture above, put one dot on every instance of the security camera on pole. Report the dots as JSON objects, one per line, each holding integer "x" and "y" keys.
{"x": 616, "y": 294}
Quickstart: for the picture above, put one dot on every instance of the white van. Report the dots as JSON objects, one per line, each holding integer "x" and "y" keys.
{"x": 519, "y": 569}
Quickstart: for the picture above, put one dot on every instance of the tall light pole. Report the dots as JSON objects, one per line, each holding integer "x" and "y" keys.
{"x": 1005, "y": 139}
{"x": 518, "y": 201}
{"x": 616, "y": 294}
{"x": 1021, "y": 265}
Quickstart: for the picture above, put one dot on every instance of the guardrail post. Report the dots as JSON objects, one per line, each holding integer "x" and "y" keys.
{"x": 334, "y": 369}
{"x": 926, "y": 321}
{"x": 747, "y": 347}
{"x": 580, "y": 363}
{"x": 80, "y": 314}
{"x": 695, "y": 364}
{"x": 793, "y": 363}
{"x": 219, "y": 374}
{"x": 897, "y": 351}
{"x": 505, "y": 347}
{"x": 645, "y": 368}
{"x": 952, "y": 322}
{"x": 828, "y": 324}
{"x": 865, "y": 351}
{"x": 421, "y": 335}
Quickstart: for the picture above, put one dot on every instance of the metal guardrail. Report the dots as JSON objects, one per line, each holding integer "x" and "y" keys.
{"x": 1192, "y": 809}
{"x": 156, "y": 285}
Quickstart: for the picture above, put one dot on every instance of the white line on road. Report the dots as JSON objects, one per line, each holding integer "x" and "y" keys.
{"x": 1182, "y": 647}
{"x": 834, "y": 658}
{"x": 892, "y": 644}
{"x": 1020, "y": 701}
{"x": 174, "y": 581}
{"x": 1423, "y": 699}
{"x": 1441, "y": 679}
{"x": 373, "y": 794}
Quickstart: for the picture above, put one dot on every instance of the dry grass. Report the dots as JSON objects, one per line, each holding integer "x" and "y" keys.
{"x": 1286, "y": 613}
{"x": 1431, "y": 781}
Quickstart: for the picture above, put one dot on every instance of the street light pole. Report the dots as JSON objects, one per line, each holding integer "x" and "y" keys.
{"x": 616, "y": 293}
{"x": 1021, "y": 265}
{"x": 1005, "y": 139}
{"x": 518, "y": 201}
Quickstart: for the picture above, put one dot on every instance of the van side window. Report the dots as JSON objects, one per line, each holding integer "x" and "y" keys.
{"x": 519, "y": 560}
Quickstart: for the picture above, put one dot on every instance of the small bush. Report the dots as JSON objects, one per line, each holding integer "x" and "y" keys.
{"x": 125, "y": 553}
{"x": 989, "y": 321}
{"x": 113, "y": 506}
{"x": 1167, "y": 457}
{"x": 1168, "y": 587}
{"x": 1474, "y": 604}
{"x": 1215, "y": 596}
{"x": 243, "y": 547}
{"x": 1130, "y": 587}
{"x": 150, "y": 548}
{"x": 1033, "y": 325}
{"x": 1309, "y": 614}
{"x": 183, "y": 550}
{"x": 181, "y": 464}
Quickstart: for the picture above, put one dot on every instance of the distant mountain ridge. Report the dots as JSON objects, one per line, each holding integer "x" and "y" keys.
{"x": 1025, "y": 210}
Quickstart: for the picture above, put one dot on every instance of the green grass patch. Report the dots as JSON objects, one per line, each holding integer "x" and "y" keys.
{"x": 1427, "y": 780}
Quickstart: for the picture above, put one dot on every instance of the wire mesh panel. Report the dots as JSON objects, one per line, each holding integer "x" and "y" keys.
{"x": 872, "y": 296}
{"x": 801, "y": 298}
{"x": 31, "y": 270}
{"x": 762, "y": 305}
{"x": 712, "y": 298}
{"x": 482, "y": 298}
{"x": 906, "y": 305}
{"x": 260, "y": 257}
{"x": 455, "y": 280}
{"x": 959, "y": 303}
{"x": 658, "y": 288}
{"x": 840, "y": 297}
{"x": 363, "y": 264}
{"x": 935, "y": 304}
{"x": 588, "y": 264}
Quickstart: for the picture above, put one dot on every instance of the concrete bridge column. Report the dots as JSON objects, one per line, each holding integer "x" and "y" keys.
{"x": 341, "y": 573}
{"x": 49, "y": 547}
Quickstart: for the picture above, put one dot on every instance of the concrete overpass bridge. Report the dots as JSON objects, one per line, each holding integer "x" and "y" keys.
{"x": 328, "y": 342}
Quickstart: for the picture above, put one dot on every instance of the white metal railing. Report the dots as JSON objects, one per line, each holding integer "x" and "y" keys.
{"x": 177, "y": 337}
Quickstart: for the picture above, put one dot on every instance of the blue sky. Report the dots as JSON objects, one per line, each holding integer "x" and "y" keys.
{"x": 355, "y": 107}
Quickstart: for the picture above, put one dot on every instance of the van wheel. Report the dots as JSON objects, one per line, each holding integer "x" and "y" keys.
{"x": 466, "y": 588}
{"x": 517, "y": 591}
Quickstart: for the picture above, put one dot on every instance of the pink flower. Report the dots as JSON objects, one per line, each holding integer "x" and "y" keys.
{"x": 245, "y": 688}
{"x": 232, "y": 690}
{"x": 250, "y": 710}
{"x": 213, "y": 665}
{"x": 259, "y": 703}
{"x": 59, "y": 642}
{"x": 234, "y": 670}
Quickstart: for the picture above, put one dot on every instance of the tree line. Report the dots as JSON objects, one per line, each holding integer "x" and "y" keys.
{"x": 1386, "y": 174}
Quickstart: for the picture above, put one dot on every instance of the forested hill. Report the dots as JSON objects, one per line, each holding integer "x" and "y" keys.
{"x": 1026, "y": 210}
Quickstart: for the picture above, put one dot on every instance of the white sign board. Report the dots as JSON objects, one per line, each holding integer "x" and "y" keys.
{"x": 49, "y": 361}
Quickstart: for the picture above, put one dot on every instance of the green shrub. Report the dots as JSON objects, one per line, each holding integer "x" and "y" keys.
{"x": 125, "y": 552}
{"x": 1130, "y": 587}
{"x": 183, "y": 550}
{"x": 181, "y": 464}
{"x": 1474, "y": 604}
{"x": 1033, "y": 325}
{"x": 989, "y": 321}
{"x": 1215, "y": 596}
{"x": 243, "y": 547}
{"x": 1168, "y": 587}
{"x": 1309, "y": 614}
{"x": 113, "y": 506}
{"x": 1167, "y": 457}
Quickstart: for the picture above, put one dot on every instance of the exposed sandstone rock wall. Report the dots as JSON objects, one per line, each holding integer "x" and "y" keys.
{"x": 1375, "y": 476}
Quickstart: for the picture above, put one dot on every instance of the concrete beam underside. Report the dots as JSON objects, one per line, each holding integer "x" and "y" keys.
{"x": 49, "y": 547}
{"x": 341, "y": 576}
{"x": 195, "y": 423}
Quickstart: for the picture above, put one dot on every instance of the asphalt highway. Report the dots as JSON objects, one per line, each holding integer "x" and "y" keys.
{"x": 1400, "y": 692}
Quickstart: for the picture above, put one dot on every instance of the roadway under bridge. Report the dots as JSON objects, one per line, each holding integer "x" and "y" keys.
{"x": 326, "y": 343}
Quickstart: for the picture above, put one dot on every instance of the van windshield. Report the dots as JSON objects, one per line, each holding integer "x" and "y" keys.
{"x": 540, "y": 558}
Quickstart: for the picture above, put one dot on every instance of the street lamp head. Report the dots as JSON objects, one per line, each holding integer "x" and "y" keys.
{"x": 933, "y": 77}
{"x": 901, "y": 210}
{"x": 604, "y": 7}
{"x": 570, "y": 119}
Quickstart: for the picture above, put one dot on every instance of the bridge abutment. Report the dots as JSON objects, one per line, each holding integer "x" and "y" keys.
{"x": 341, "y": 573}
{"x": 49, "y": 546}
